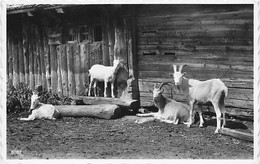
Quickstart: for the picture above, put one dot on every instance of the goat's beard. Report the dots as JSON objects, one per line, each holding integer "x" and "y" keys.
{"x": 178, "y": 88}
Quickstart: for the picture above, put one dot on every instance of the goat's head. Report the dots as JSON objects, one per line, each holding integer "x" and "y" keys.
{"x": 34, "y": 100}
{"x": 157, "y": 91}
{"x": 178, "y": 75}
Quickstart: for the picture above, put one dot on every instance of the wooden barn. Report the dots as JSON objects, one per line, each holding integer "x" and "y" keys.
{"x": 55, "y": 46}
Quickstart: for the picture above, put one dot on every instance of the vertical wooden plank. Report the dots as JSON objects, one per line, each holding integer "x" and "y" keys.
{"x": 38, "y": 60}
{"x": 120, "y": 46}
{"x": 26, "y": 52}
{"x": 59, "y": 79}
{"x": 111, "y": 37}
{"x": 77, "y": 66}
{"x": 46, "y": 51}
{"x": 42, "y": 62}
{"x": 10, "y": 60}
{"x": 15, "y": 64}
{"x": 71, "y": 77}
{"x": 105, "y": 44}
{"x": 35, "y": 56}
{"x": 83, "y": 66}
{"x": 31, "y": 59}
{"x": 54, "y": 76}
{"x": 87, "y": 62}
{"x": 64, "y": 69}
{"x": 21, "y": 61}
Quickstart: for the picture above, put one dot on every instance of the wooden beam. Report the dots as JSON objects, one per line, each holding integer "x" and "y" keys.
{"x": 105, "y": 111}
{"x": 237, "y": 134}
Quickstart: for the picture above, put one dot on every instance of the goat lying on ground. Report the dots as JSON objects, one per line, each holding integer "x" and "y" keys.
{"x": 170, "y": 111}
{"x": 40, "y": 110}
{"x": 104, "y": 73}
{"x": 213, "y": 91}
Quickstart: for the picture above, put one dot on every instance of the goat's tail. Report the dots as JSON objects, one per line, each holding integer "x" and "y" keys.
{"x": 223, "y": 94}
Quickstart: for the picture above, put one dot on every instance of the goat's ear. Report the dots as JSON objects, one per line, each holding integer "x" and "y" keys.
{"x": 171, "y": 74}
{"x": 184, "y": 73}
{"x": 150, "y": 91}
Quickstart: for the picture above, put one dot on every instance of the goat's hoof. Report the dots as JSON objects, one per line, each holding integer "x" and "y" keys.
{"x": 216, "y": 131}
{"x": 138, "y": 121}
{"x": 188, "y": 126}
{"x": 201, "y": 126}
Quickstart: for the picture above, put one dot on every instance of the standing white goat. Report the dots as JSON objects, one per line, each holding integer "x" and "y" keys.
{"x": 200, "y": 92}
{"x": 104, "y": 73}
{"x": 170, "y": 111}
{"x": 40, "y": 110}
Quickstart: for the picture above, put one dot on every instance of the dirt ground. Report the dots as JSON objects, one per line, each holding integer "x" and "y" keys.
{"x": 91, "y": 138}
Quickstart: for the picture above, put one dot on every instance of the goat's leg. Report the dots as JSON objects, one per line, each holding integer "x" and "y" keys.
{"x": 224, "y": 119}
{"x": 90, "y": 85}
{"x": 95, "y": 88}
{"x": 112, "y": 89}
{"x": 31, "y": 117}
{"x": 191, "y": 113}
{"x": 200, "y": 114}
{"x": 147, "y": 114}
{"x": 105, "y": 88}
{"x": 218, "y": 115}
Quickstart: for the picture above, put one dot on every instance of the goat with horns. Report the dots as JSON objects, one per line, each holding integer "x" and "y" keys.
{"x": 213, "y": 90}
{"x": 170, "y": 111}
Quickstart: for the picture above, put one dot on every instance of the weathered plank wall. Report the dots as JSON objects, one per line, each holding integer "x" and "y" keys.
{"x": 47, "y": 49}
{"x": 216, "y": 41}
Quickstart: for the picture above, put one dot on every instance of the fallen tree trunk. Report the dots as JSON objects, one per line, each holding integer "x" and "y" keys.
{"x": 105, "y": 111}
{"x": 237, "y": 134}
{"x": 125, "y": 104}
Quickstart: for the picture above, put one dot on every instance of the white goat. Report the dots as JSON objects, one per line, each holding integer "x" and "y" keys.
{"x": 104, "y": 73}
{"x": 170, "y": 111}
{"x": 201, "y": 92}
{"x": 40, "y": 110}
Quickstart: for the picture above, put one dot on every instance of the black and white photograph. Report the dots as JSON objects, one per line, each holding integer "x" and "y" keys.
{"x": 147, "y": 81}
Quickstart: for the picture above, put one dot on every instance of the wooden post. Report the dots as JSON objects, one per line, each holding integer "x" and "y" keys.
{"x": 54, "y": 76}
{"x": 26, "y": 52}
{"x": 64, "y": 69}
{"x": 42, "y": 61}
{"x": 77, "y": 66}
{"x": 10, "y": 60}
{"x": 120, "y": 45}
{"x": 105, "y": 45}
{"x": 31, "y": 60}
{"x": 15, "y": 64}
{"x": 59, "y": 78}
{"x": 38, "y": 61}
{"x": 47, "y": 61}
{"x": 21, "y": 61}
{"x": 84, "y": 65}
{"x": 71, "y": 77}
{"x": 111, "y": 36}
{"x": 120, "y": 52}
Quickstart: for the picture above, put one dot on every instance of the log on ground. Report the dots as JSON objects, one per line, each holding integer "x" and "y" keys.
{"x": 104, "y": 111}
{"x": 237, "y": 134}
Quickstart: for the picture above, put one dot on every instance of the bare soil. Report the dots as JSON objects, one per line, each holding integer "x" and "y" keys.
{"x": 91, "y": 138}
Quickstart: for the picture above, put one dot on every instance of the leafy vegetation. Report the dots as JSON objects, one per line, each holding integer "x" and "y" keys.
{"x": 19, "y": 98}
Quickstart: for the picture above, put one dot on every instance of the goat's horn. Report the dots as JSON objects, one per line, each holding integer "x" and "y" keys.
{"x": 174, "y": 68}
{"x": 162, "y": 84}
{"x": 181, "y": 67}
